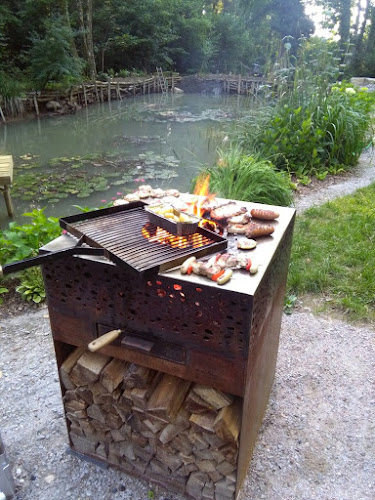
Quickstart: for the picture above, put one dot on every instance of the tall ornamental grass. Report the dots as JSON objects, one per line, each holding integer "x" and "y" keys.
{"x": 249, "y": 178}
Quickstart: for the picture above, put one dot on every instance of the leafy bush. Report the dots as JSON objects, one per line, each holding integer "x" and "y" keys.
{"x": 249, "y": 178}
{"x": 314, "y": 127}
{"x": 22, "y": 241}
{"x": 314, "y": 136}
{"x": 32, "y": 285}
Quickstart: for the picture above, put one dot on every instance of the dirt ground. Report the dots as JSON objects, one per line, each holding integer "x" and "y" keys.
{"x": 317, "y": 440}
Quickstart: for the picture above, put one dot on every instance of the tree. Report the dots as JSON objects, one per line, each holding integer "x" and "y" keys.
{"x": 50, "y": 56}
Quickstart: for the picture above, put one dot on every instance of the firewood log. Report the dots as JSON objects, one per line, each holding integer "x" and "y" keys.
{"x": 228, "y": 423}
{"x": 67, "y": 367}
{"x": 168, "y": 397}
{"x": 88, "y": 368}
{"x": 113, "y": 374}
{"x": 215, "y": 399}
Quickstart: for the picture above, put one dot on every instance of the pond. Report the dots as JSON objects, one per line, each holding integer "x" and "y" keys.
{"x": 106, "y": 150}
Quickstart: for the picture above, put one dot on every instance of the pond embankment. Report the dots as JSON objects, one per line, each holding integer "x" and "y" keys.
{"x": 54, "y": 102}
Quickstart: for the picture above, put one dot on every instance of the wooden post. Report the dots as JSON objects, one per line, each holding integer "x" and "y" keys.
{"x": 172, "y": 83}
{"x": 134, "y": 88}
{"x": 144, "y": 88}
{"x": 71, "y": 95}
{"x": 2, "y": 115}
{"x": 239, "y": 85}
{"x": 101, "y": 93}
{"x": 84, "y": 94}
{"x": 96, "y": 92}
{"x": 36, "y": 104}
{"x": 118, "y": 91}
{"x": 8, "y": 201}
{"x": 109, "y": 91}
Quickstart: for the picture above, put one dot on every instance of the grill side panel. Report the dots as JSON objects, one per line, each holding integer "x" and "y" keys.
{"x": 199, "y": 333}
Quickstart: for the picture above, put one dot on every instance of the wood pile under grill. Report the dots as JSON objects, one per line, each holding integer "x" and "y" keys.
{"x": 181, "y": 435}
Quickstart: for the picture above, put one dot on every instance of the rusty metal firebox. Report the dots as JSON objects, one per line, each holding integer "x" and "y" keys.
{"x": 223, "y": 337}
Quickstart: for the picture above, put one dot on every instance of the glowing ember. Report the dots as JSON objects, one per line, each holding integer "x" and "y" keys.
{"x": 158, "y": 235}
{"x": 211, "y": 226}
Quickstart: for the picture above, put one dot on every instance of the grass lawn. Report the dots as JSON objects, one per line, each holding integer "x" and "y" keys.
{"x": 333, "y": 255}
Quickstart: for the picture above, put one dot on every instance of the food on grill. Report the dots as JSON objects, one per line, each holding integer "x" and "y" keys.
{"x": 157, "y": 193}
{"x": 131, "y": 197}
{"x": 226, "y": 276}
{"x": 256, "y": 230}
{"x": 259, "y": 213}
{"x": 246, "y": 244}
{"x": 237, "y": 228}
{"x": 224, "y": 212}
{"x": 239, "y": 219}
{"x": 172, "y": 213}
{"x": 119, "y": 202}
{"x": 254, "y": 268}
{"x": 219, "y": 267}
{"x": 187, "y": 265}
{"x": 172, "y": 192}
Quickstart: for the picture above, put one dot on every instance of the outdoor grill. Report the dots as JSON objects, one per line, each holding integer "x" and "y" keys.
{"x": 183, "y": 328}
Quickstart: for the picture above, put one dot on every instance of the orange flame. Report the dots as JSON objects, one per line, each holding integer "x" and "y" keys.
{"x": 203, "y": 192}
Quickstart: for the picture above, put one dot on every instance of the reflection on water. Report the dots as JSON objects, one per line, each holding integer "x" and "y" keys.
{"x": 108, "y": 148}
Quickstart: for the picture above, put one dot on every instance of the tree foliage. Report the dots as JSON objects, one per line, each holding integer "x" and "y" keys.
{"x": 181, "y": 35}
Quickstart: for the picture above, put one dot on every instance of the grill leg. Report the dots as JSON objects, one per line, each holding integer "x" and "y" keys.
{"x": 8, "y": 201}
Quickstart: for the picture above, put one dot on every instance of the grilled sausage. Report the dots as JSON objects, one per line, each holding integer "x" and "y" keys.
{"x": 259, "y": 213}
{"x": 257, "y": 230}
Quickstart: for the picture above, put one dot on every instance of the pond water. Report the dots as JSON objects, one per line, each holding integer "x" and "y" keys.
{"x": 107, "y": 149}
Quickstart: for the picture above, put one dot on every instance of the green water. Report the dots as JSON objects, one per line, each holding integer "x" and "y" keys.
{"x": 106, "y": 149}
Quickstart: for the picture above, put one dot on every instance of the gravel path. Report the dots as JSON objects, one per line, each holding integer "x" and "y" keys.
{"x": 362, "y": 175}
{"x": 317, "y": 440}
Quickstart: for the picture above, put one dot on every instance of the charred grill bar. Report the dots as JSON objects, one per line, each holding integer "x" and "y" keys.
{"x": 224, "y": 338}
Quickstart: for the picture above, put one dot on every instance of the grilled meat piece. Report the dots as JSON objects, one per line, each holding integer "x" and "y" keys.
{"x": 238, "y": 228}
{"x": 239, "y": 219}
{"x": 224, "y": 212}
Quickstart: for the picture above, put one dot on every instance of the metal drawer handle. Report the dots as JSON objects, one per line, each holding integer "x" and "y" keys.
{"x": 104, "y": 340}
{"x": 137, "y": 343}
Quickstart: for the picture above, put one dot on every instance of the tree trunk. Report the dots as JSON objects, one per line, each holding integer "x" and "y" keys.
{"x": 359, "y": 43}
{"x": 83, "y": 28}
{"x": 344, "y": 24}
{"x": 371, "y": 35}
{"x": 356, "y": 24}
{"x": 68, "y": 23}
{"x": 90, "y": 43}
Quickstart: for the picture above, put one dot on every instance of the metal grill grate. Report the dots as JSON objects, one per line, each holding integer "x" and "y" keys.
{"x": 124, "y": 232}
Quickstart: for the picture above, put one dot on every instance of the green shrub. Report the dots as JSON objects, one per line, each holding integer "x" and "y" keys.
{"x": 249, "y": 178}
{"x": 23, "y": 241}
{"x": 32, "y": 285}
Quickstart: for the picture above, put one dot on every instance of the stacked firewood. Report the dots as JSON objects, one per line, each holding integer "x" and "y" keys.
{"x": 153, "y": 425}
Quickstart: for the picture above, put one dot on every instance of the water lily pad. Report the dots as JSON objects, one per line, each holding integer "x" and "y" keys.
{"x": 53, "y": 200}
{"x": 76, "y": 165}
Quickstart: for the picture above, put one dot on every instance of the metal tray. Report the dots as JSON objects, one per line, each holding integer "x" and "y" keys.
{"x": 177, "y": 228}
